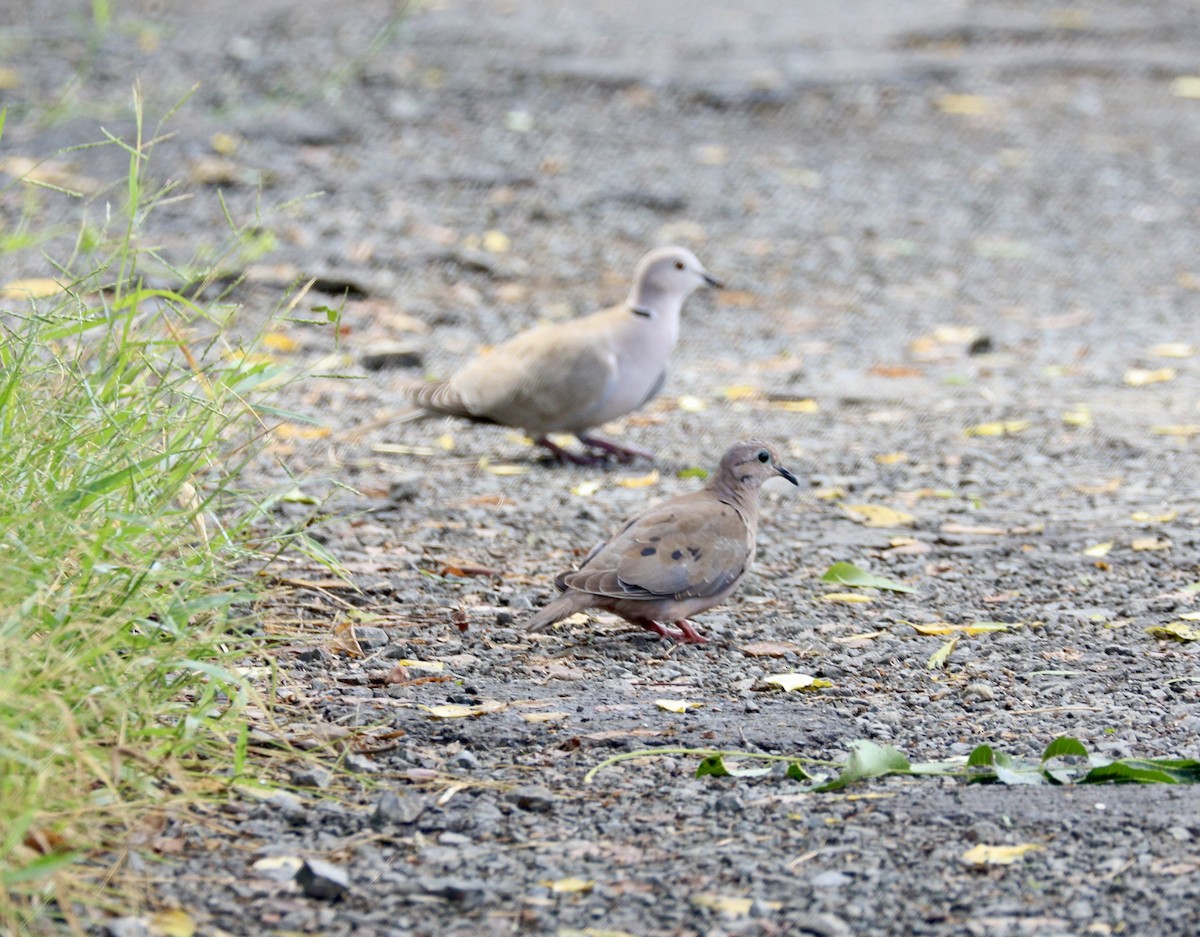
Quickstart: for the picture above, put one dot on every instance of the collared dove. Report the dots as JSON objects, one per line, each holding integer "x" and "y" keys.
{"x": 681, "y": 557}
{"x": 568, "y": 377}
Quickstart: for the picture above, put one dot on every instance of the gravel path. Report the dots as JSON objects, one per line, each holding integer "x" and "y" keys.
{"x": 931, "y": 220}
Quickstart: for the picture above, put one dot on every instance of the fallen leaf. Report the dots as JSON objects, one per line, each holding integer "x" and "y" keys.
{"x": 173, "y": 923}
{"x": 1190, "y": 616}
{"x": 506, "y": 469}
{"x": 459, "y": 711}
{"x": 1173, "y": 350}
{"x": 496, "y": 242}
{"x": 997, "y": 855}
{"x": 1145, "y": 517}
{"x": 886, "y": 370}
{"x": 690, "y": 404}
{"x": 1176, "y": 630}
{"x": 586, "y": 489}
{"x": 847, "y": 574}
{"x": 964, "y": 105}
{"x": 1106, "y": 488}
{"x": 732, "y": 905}
{"x": 1080, "y": 417}
{"x": 277, "y": 863}
{"x": 433, "y": 666}
{"x": 796, "y": 406}
{"x": 446, "y": 442}
{"x": 937, "y": 660}
{"x": 640, "y": 481}
{"x": 953, "y": 527}
{"x": 556, "y": 716}
{"x": 1186, "y": 86}
{"x": 891, "y": 458}
{"x": 1099, "y": 549}
{"x": 295, "y": 431}
{"x": 979, "y": 627}
{"x": 33, "y": 288}
{"x": 796, "y": 681}
{"x": 767, "y": 649}
{"x": 848, "y": 598}
{"x": 998, "y": 428}
{"x": 1181, "y": 430}
{"x": 742, "y": 392}
{"x": 279, "y": 341}
{"x": 877, "y": 515}
{"x": 677, "y": 705}
{"x": 1143, "y": 544}
{"x": 1140, "y": 377}
{"x": 567, "y": 886}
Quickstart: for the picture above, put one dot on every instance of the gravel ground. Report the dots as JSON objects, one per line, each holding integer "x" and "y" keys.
{"x": 930, "y": 217}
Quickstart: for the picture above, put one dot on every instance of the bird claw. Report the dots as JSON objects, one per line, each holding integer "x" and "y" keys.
{"x": 685, "y": 635}
{"x": 623, "y": 454}
{"x": 567, "y": 457}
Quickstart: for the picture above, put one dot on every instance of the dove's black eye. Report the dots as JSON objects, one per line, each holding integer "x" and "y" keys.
{"x": 679, "y": 265}
{"x": 764, "y": 456}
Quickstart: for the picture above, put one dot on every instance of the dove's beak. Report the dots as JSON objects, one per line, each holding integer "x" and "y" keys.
{"x": 712, "y": 281}
{"x": 788, "y": 475}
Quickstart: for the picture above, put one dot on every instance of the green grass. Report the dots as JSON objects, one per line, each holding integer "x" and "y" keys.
{"x": 127, "y": 414}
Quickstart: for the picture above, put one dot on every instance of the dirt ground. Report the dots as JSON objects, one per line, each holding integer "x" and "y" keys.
{"x": 931, "y": 217}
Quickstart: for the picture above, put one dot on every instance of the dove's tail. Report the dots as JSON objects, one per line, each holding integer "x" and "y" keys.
{"x": 439, "y": 398}
{"x": 566, "y": 604}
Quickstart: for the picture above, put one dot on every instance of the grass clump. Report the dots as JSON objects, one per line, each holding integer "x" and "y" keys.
{"x": 126, "y": 415}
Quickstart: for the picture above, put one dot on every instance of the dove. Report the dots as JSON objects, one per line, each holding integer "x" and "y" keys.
{"x": 571, "y": 376}
{"x": 681, "y": 557}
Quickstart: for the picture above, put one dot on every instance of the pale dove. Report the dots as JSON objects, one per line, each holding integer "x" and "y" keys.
{"x": 568, "y": 377}
{"x": 681, "y": 557}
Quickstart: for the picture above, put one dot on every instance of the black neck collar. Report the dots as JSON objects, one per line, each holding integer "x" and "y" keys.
{"x": 641, "y": 311}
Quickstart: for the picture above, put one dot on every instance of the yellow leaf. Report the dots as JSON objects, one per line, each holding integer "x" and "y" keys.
{"x": 677, "y": 705}
{"x": 964, "y": 105}
{"x": 507, "y": 469}
{"x": 849, "y": 598}
{"x": 711, "y": 154}
{"x": 1173, "y": 350}
{"x": 1188, "y": 281}
{"x": 877, "y": 515}
{"x": 979, "y": 627}
{"x": 279, "y": 341}
{"x": 1099, "y": 549}
{"x": 433, "y": 666}
{"x": 640, "y": 481}
{"x": 223, "y": 143}
{"x": 586, "y": 489}
{"x": 835, "y": 493}
{"x": 1182, "y": 430}
{"x": 555, "y": 716}
{"x": 459, "y": 711}
{"x": 33, "y": 288}
{"x": 274, "y": 863}
{"x": 1150, "y": 543}
{"x": 998, "y": 428}
{"x": 796, "y": 406}
{"x": 174, "y": 923}
{"x": 742, "y": 392}
{"x": 937, "y": 660}
{"x": 9, "y": 78}
{"x": 997, "y": 855}
{"x": 293, "y": 431}
{"x": 446, "y": 442}
{"x": 1190, "y": 616}
{"x": 1186, "y": 86}
{"x": 496, "y": 242}
{"x": 567, "y": 886}
{"x": 1140, "y": 377}
{"x": 891, "y": 458}
{"x": 732, "y": 905}
{"x": 796, "y": 681}
{"x": 690, "y": 404}
{"x": 1177, "y": 630}
{"x": 1145, "y": 517}
{"x": 1080, "y": 417}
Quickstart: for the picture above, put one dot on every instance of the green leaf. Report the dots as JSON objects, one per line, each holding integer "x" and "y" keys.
{"x": 718, "y": 767}
{"x": 1004, "y": 769}
{"x": 848, "y": 574}
{"x": 937, "y": 660}
{"x": 693, "y": 471}
{"x": 1062, "y": 746}
{"x": 868, "y": 760}
{"x": 1146, "y": 771}
{"x": 41, "y": 867}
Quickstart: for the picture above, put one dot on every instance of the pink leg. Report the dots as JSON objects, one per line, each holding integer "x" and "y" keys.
{"x": 685, "y": 635}
{"x": 565, "y": 456}
{"x": 623, "y": 453}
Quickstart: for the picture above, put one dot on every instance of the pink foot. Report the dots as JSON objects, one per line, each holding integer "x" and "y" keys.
{"x": 685, "y": 635}
{"x": 565, "y": 456}
{"x": 623, "y": 453}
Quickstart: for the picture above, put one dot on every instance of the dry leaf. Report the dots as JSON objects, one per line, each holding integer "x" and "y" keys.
{"x": 677, "y": 705}
{"x": 979, "y": 627}
{"x": 459, "y": 711}
{"x": 998, "y": 428}
{"x": 555, "y": 716}
{"x": 1099, "y": 549}
{"x": 937, "y": 660}
{"x": 742, "y": 392}
{"x": 1145, "y": 517}
{"x": 1080, "y": 417}
{"x": 997, "y": 855}
{"x": 586, "y": 489}
{"x": 32, "y": 288}
{"x": 849, "y": 598}
{"x": 1186, "y": 86}
{"x": 1173, "y": 350}
{"x": 1181, "y": 430}
{"x": 446, "y": 442}
{"x": 640, "y": 481}
{"x": 433, "y": 666}
{"x": 567, "y": 886}
{"x": 506, "y": 469}
{"x": 891, "y": 458}
{"x": 877, "y": 515}
{"x": 295, "y": 431}
{"x": 690, "y": 404}
{"x": 796, "y": 681}
{"x": 1150, "y": 543}
{"x": 964, "y": 105}
{"x": 173, "y": 923}
{"x": 1140, "y": 377}
{"x": 1176, "y": 630}
{"x": 279, "y": 341}
{"x": 796, "y": 406}
{"x": 732, "y": 905}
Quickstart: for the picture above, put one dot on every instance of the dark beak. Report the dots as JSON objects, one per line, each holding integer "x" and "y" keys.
{"x": 712, "y": 281}
{"x": 788, "y": 475}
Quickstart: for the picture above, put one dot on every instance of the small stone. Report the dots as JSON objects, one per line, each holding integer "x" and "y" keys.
{"x": 396, "y": 808}
{"x": 289, "y": 805}
{"x": 360, "y": 763}
{"x": 126, "y": 927}
{"x": 449, "y": 838}
{"x": 387, "y": 355}
{"x": 533, "y": 799}
{"x": 466, "y": 893}
{"x": 463, "y": 760}
{"x": 405, "y": 489}
{"x": 316, "y": 653}
{"x": 312, "y": 776}
{"x": 979, "y": 691}
{"x": 369, "y": 638}
{"x": 830, "y": 879}
{"x": 729, "y": 803}
{"x": 504, "y": 618}
{"x": 323, "y": 880}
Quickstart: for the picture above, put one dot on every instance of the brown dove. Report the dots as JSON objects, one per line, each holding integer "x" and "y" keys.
{"x": 682, "y": 556}
{"x": 571, "y": 376}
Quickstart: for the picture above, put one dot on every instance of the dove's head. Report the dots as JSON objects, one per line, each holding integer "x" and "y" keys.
{"x": 666, "y": 277}
{"x": 748, "y": 464}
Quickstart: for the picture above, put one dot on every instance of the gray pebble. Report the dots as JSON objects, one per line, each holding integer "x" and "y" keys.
{"x": 323, "y": 880}
{"x": 312, "y": 776}
{"x": 397, "y": 808}
{"x": 126, "y": 927}
{"x": 533, "y": 799}
{"x": 463, "y": 760}
{"x": 369, "y": 638}
{"x": 386, "y": 355}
